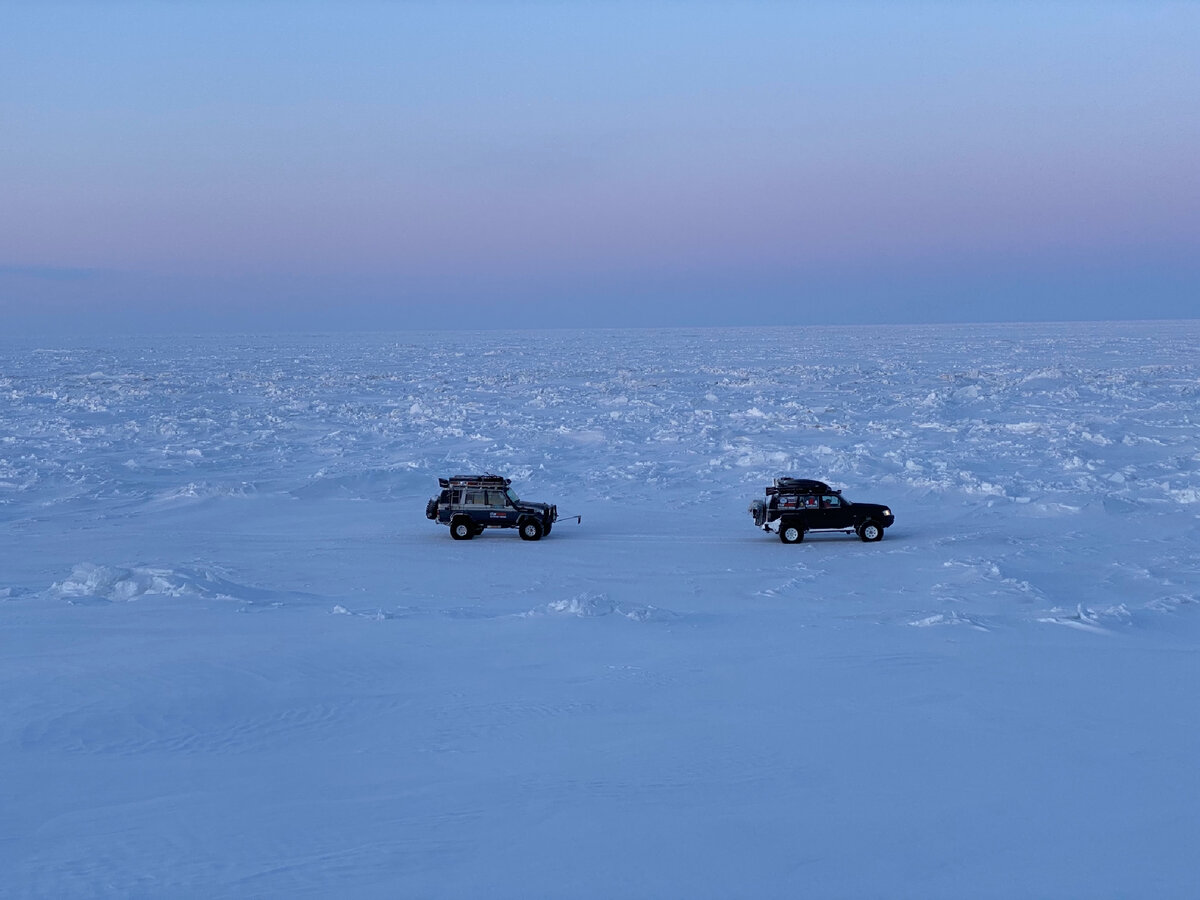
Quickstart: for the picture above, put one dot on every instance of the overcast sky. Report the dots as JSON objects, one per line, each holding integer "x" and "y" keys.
{"x": 305, "y": 166}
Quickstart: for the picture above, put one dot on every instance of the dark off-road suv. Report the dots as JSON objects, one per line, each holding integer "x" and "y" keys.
{"x": 798, "y": 505}
{"x": 471, "y": 503}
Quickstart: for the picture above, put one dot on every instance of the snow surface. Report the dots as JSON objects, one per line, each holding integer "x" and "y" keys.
{"x": 237, "y": 661}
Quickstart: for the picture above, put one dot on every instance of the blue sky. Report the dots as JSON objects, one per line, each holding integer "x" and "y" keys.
{"x": 304, "y": 166}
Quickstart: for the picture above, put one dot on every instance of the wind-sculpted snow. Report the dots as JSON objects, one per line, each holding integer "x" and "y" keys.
{"x": 89, "y": 583}
{"x": 993, "y": 701}
{"x": 592, "y": 605}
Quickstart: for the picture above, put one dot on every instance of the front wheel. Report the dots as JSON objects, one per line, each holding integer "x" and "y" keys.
{"x": 870, "y": 532}
{"x": 461, "y": 529}
{"x": 791, "y": 534}
{"x": 531, "y": 530}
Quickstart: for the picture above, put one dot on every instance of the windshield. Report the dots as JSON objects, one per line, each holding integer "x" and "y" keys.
{"x": 512, "y": 496}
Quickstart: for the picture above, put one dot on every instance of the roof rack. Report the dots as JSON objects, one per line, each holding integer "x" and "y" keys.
{"x": 485, "y": 480}
{"x": 799, "y": 486}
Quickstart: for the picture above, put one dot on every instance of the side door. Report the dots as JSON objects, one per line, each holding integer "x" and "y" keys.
{"x": 499, "y": 510}
{"x": 834, "y": 512}
{"x": 797, "y": 509}
{"x": 474, "y": 504}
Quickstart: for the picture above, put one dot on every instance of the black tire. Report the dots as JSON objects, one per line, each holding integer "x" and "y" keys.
{"x": 431, "y": 509}
{"x": 462, "y": 528}
{"x": 530, "y": 529}
{"x": 791, "y": 534}
{"x": 870, "y": 531}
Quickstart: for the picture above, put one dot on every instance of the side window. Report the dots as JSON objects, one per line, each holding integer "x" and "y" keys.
{"x": 473, "y": 498}
{"x": 495, "y": 498}
{"x": 456, "y": 497}
{"x": 829, "y": 502}
{"x": 810, "y": 502}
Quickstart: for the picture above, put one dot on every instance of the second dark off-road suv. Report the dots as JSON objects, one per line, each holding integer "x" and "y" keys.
{"x": 471, "y": 503}
{"x": 795, "y": 506}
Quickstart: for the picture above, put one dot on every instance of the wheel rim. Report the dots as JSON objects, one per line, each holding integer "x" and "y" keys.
{"x": 792, "y": 534}
{"x": 871, "y": 532}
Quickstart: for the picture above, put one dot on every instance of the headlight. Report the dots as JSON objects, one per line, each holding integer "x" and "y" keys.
{"x": 886, "y": 511}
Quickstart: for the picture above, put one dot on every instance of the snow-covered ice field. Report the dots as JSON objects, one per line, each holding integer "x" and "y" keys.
{"x": 237, "y": 661}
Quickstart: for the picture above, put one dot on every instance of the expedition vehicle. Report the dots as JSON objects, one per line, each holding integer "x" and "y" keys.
{"x": 471, "y": 503}
{"x": 795, "y": 506}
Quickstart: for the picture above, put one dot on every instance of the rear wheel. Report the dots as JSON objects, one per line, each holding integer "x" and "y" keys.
{"x": 531, "y": 530}
{"x": 870, "y": 532}
{"x": 462, "y": 528}
{"x": 791, "y": 534}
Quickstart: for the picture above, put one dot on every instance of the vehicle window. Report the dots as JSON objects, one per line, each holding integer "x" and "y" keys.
{"x": 473, "y": 498}
{"x": 495, "y": 498}
{"x": 810, "y": 502}
{"x": 830, "y": 502}
{"x": 511, "y": 496}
